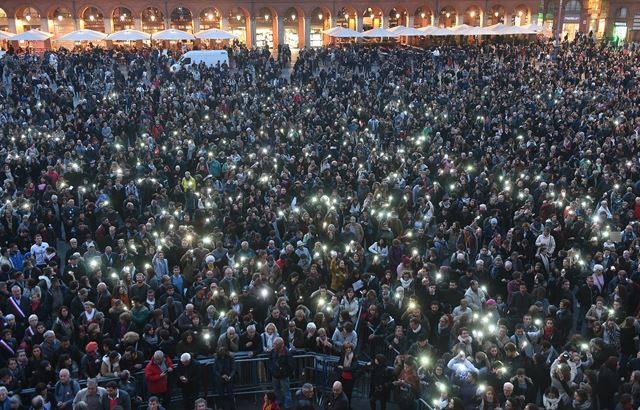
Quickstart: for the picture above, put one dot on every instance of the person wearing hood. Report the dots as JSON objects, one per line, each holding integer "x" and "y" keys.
{"x": 110, "y": 366}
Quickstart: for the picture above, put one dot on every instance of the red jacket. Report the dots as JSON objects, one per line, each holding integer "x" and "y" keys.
{"x": 156, "y": 383}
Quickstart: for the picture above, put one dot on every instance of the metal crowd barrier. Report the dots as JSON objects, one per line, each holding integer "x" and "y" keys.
{"x": 253, "y": 378}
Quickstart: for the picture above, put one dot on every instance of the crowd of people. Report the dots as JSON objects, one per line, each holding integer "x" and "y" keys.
{"x": 459, "y": 223}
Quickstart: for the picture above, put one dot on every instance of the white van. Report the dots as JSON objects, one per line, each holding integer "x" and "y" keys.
{"x": 211, "y": 58}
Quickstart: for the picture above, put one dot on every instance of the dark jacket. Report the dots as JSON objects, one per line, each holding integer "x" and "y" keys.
{"x": 303, "y": 403}
{"x": 349, "y": 372}
{"x": 123, "y": 400}
{"x": 255, "y": 346}
{"x": 281, "y": 364}
{"x": 380, "y": 383}
{"x": 337, "y": 403}
{"x": 298, "y": 339}
{"x": 192, "y": 373}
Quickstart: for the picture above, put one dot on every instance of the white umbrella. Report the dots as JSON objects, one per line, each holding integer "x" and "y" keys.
{"x": 410, "y": 32}
{"x": 535, "y": 28}
{"x": 32, "y": 35}
{"x": 378, "y": 33}
{"x": 397, "y": 28}
{"x": 461, "y": 29}
{"x": 506, "y": 30}
{"x": 5, "y": 35}
{"x": 331, "y": 30}
{"x": 342, "y": 32}
{"x": 436, "y": 31}
{"x": 128, "y": 35}
{"x": 83, "y": 35}
{"x": 173, "y": 34}
{"x": 215, "y": 34}
{"x": 477, "y": 31}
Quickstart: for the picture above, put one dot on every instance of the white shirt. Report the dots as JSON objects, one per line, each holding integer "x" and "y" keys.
{"x": 38, "y": 251}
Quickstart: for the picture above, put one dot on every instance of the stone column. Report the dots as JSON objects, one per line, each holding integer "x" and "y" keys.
{"x": 307, "y": 33}
{"x": 196, "y": 24}
{"x": 44, "y": 25}
{"x": 278, "y": 30}
{"x": 107, "y": 25}
{"x": 137, "y": 23}
{"x": 224, "y": 23}
{"x": 251, "y": 34}
{"x": 12, "y": 25}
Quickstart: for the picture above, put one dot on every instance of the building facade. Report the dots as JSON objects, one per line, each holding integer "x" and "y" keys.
{"x": 300, "y": 24}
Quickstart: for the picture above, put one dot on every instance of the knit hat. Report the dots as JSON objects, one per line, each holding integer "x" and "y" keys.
{"x": 91, "y": 347}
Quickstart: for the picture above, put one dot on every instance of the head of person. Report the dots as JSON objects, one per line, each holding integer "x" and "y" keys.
{"x": 112, "y": 388}
{"x": 200, "y": 404}
{"x": 507, "y": 389}
{"x": 158, "y": 357}
{"x": 154, "y": 403}
{"x": 336, "y": 388}
{"x": 307, "y": 390}
{"x": 92, "y": 386}
{"x": 64, "y": 376}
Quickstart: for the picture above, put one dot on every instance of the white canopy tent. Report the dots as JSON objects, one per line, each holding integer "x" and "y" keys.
{"x": 436, "y": 31}
{"x": 379, "y": 33}
{"x": 397, "y": 28}
{"x": 477, "y": 31}
{"x": 5, "y": 35}
{"x": 329, "y": 31}
{"x": 32, "y": 35}
{"x": 83, "y": 35}
{"x": 506, "y": 30}
{"x": 173, "y": 34}
{"x": 535, "y": 28}
{"x": 128, "y": 35}
{"x": 409, "y": 32}
{"x": 342, "y": 32}
{"x": 215, "y": 34}
{"x": 461, "y": 29}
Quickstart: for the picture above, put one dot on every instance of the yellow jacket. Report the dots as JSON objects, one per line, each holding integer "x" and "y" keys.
{"x": 189, "y": 184}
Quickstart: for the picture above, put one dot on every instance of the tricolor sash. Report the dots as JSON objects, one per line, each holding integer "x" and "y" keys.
{"x": 7, "y": 347}
{"x": 17, "y": 307}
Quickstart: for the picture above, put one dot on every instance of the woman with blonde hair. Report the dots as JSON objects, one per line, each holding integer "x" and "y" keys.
{"x": 268, "y": 337}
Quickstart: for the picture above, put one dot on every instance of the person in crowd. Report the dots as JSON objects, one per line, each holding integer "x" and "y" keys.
{"x": 91, "y": 396}
{"x": 65, "y": 390}
{"x": 115, "y": 397}
{"x": 224, "y": 373}
{"x": 269, "y": 401}
{"x": 157, "y": 374}
{"x": 337, "y": 398}
{"x": 187, "y": 377}
{"x": 281, "y": 368}
{"x": 305, "y": 398}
